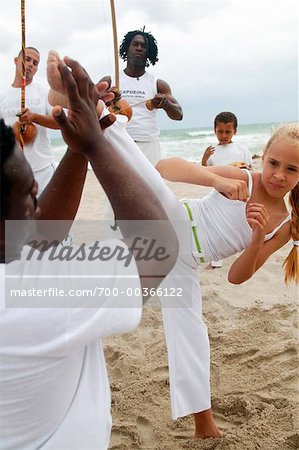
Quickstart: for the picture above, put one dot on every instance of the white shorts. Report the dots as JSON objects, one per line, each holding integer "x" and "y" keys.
{"x": 43, "y": 176}
{"x": 151, "y": 150}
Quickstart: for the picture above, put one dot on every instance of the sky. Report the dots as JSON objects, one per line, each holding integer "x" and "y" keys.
{"x": 216, "y": 55}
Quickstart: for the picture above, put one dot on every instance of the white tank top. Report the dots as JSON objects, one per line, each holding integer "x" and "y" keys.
{"x": 143, "y": 125}
{"x": 222, "y": 227}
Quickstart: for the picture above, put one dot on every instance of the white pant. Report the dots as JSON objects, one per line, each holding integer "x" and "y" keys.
{"x": 185, "y": 331}
{"x": 44, "y": 176}
{"x": 151, "y": 150}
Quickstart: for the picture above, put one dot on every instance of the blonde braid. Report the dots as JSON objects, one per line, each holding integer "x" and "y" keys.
{"x": 291, "y": 263}
{"x": 290, "y": 133}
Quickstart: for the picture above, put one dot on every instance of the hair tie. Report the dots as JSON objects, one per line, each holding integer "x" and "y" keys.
{"x": 296, "y": 243}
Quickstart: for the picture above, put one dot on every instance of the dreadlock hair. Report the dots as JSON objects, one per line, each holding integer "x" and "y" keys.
{"x": 7, "y": 144}
{"x": 225, "y": 117}
{"x": 151, "y": 46}
{"x": 290, "y": 134}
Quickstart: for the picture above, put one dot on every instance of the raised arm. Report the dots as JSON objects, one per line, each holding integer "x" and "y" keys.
{"x": 165, "y": 100}
{"x": 40, "y": 119}
{"x": 228, "y": 180}
{"x": 208, "y": 152}
{"x": 257, "y": 253}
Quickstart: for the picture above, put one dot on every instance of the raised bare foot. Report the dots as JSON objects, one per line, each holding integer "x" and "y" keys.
{"x": 57, "y": 94}
{"x": 53, "y": 74}
{"x": 205, "y": 425}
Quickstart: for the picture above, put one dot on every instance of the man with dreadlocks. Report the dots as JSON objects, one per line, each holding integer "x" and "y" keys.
{"x": 139, "y": 49}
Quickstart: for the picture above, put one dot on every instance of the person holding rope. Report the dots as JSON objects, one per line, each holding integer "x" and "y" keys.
{"x": 38, "y": 153}
{"x": 138, "y": 87}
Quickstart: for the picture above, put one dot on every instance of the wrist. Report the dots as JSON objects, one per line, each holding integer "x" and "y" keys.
{"x": 95, "y": 148}
{"x": 163, "y": 103}
{"x": 256, "y": 244}
{"x": 70, "y": 154}
{"x": 216, "y": 181}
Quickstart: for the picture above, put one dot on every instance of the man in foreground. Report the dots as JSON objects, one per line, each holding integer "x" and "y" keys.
{"x": 54, "y": 390}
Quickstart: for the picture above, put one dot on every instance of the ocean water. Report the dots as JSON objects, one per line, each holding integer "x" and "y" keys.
{"x": 190, "y": 143}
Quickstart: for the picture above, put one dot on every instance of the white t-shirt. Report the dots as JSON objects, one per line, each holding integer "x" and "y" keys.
{"x": 54, "y": 389}
{"x": 142, "y": 127}
{"x": 39, "y": 153}
{"x": 228, "y": 154}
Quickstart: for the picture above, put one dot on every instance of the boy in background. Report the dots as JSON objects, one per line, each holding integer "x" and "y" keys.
{"x": 226, "y": 152}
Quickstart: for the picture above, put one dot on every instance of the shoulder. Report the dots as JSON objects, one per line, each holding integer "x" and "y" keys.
{"x": 278, "y": 237}
{"x": 256, "y": 178}
{"x": 8, "y": 91}
{"x": 163, "y": 87}
{"x": 39, "y": 87}
{"x": 241, "y": 147}
{"x": 244, "y": 148}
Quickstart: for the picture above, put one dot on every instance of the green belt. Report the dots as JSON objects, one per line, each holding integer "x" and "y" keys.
{"x": 194, "y": 231}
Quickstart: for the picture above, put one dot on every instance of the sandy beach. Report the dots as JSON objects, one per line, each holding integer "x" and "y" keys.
{"x": 253, "y": 331}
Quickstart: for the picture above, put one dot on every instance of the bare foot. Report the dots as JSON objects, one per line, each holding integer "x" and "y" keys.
{"x": 57, "y": 94}
{"x": 214, "y": 265}
{"x": 53, "y": 74}
{"x": 205, "y": 425}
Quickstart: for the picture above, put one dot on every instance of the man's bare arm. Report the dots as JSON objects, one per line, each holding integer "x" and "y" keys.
{"x": 40, "y": 119}
{"x": 165, "y": 100}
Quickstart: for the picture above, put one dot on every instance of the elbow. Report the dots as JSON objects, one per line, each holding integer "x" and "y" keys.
{"x": 235, "y": 279}
{"x": 166, "y": 168}
{"x": 160, "y": 168}
{"x": 179, "y": 116}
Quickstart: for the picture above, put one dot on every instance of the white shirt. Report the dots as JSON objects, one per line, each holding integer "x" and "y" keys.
{"x": 39, "y": 153}
{"x": 228, "y": 154}
{"x": 222, "y": 225}
{"x": 142, "y": 127}
{"x": 54, "y": 389}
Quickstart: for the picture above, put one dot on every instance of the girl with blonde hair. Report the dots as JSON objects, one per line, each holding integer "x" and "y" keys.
{"x": 246, "y": 212}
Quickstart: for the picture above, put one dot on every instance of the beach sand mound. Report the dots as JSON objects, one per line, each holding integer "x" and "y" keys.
{"x": 254, "y": 378}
